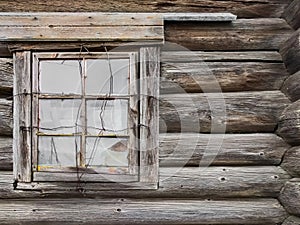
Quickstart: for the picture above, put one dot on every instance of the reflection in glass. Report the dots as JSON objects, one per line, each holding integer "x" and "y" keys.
{"x": 102, "y": 151}
{"x": 99, "y": 72}
{"x": 57, "y": 151}
{"x": 59, "y": 116}
{"x": 60, "y": 76}
{"x": 107, "y": 117}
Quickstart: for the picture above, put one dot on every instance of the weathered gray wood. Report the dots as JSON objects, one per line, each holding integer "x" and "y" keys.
{"x": 91, "y": 33}
{"x": 81, "y": 27}
{"x": 191, "y": 149}
{"x": 292, "y": 220}
{"x": 243, "y": 8}
{"x": 291, "y": 161}
{"x": 290, "y": 51}
{"x": 149, "y": 120}
{"x": 260, "y": 71}
{"x": 290, "y": 197}
{"x": 200, "y": 17}
{"x": 292, "y": 14}
{"x": 245, "y": 111}
{"x": 22, "y": 117}
{"x": 148, "y": 211}
{"x": 229, "y": 76}
{"x": 291, "y": 87}
{"x": 289, "y": 124}
{"x": 6, "y": 117}
{"x": 251, "y": 34}
{"x": 235, "y": 149}
{"x": 6, "y": 76}
{"x": 217, "y": 56}
{"x": 60, "y": 19}
{"x": 192, "y": 182}
{"x": 130, "y": 211}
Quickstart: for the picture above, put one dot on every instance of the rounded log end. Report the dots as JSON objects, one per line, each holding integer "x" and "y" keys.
{"x": 291, "y": 87}
{"x": 291, "y": 161}
{"x": 289, "y": 197}
{"x": 289, "y": 124}
{"x": 292, "y": 220}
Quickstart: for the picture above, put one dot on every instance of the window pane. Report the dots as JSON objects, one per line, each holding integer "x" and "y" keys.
{"x": 106, "y": 152}
{"x": 60, "y": 76}
{"x": 98, "y": 76}
{"x": 57, "y": 151}
{"x": 59, "y": 116}
{"x": 107, "y": 117}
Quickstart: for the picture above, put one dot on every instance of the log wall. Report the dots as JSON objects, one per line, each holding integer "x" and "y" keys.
{"x": 245, "y": 175}
{"x": 288, "y": 124}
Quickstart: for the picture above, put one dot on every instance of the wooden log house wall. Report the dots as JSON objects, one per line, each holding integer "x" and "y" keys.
{"x": 255, "y": 177}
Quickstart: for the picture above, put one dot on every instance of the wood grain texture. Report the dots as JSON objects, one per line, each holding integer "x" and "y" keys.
{"x": 191, "y": 149}
{"x": 291, "y": 87}
{"x": 289, "y": 124}
{"x": 22, "y": 117}
{"x": 6, "y": 118}
{"x": 130, "y": 211}
{"x": 229, "y": 76}
{"x": 233, "y": 149}
{"x": 234, "y": 71}
{"x": 290, "y": 51}
{"x": 242, "y": 34}
{"x": 243, "y": 8}
{"x": 6, "y": 77}
{"x": 189, "y": 182}
{"x": 245, "y": 112}
{"x": 290, "y": 197}
{"x": 149, "y": 111}
{"x": 81, "y": 27}
{"x": 182, "y": 55}
{"x": 291, "y": 161}
{"x": 292, "y": 14}
{"x": 292, "y": 220}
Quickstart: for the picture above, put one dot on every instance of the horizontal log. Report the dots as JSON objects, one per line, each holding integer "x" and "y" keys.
{"x": 265, "y": 74}
{"x": 6, "y": 76}
{"x": 245, "y": 112}
{"x": 191, "y": 149}
{"x": 290, "y": 51}
{"x": 243, "y": 8}
{"x": 227, "y": 76}
{"x": 289, "y": 124}
{"x": 292, "y": 14}
{"x": 242, "y": 34}
{"x": 290, "y": 197}
{"x": 5, "y": 117}
{"x": 291, "y": 87}
{"x": 292, "y": 220}
{"x": 147, "y": 211}
{"x": 182, "y": 55}
{"x": 188, "y": 182}
{"x": 217, "y": 149}
{"x": 291, "y": 161}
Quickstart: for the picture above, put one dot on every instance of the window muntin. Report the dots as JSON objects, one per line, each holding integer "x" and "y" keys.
{"x": 84, "y": 127}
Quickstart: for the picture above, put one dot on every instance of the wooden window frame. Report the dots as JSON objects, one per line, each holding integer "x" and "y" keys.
{"x": 25, "y": 83}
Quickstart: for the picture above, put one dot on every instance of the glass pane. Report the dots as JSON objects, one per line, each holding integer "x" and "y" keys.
{"x": 60, "y": 76}
{"x": 107, "y": 117}
{"x": 57, "y": 151}
{"x": 59, "y": 116}
{"x": 98, "y": 76}
{"x": 106, "y": 152}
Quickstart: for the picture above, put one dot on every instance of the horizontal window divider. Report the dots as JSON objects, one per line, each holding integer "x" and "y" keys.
{"x": 87, "y": 97}
{"x": 81, "y": 134}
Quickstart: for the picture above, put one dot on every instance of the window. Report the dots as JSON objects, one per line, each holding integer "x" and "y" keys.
{"x": 86, "y": 120}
